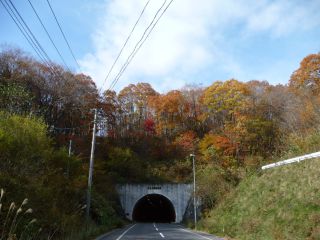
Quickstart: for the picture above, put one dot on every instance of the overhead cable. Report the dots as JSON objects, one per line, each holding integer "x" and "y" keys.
{"x": 33, "y": 36}
{"x": 64, "y": 36}
{"x": 124, "y": 45}
{"x": 30, "y": 36}
{"x": 49, "y": 36}
{"x": 142, "y": 40}
{"x": 25, "y": 30}
{"x": 21, "y": 30}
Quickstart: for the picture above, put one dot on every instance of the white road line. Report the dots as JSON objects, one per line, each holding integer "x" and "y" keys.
{"x": 195, "y": 234}
{"x": 154, "y": 224}
{"x": 161, "y": 235}
{"x": 125, "y": 232}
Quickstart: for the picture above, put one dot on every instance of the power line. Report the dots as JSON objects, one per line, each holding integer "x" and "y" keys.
{"x": 35, "y": 39}
{"x": 135, "y": 47}
{"x": 22, "y": 30}
{"x": 140, "y": 42}
{"x": 150, "y": 31}
{"x": 65, "y": 39}
{"x": 34, "y": 43}
{"x": 43, "y": 54}
{"x": 45, "y": 29}
{"x": 125, "y": 43}
{"x": 28, "y": 34}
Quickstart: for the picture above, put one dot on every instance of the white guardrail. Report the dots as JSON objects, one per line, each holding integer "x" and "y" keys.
{"x": 292, "y": 160}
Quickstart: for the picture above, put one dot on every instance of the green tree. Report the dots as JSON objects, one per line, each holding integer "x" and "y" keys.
{"x": 124, "y": 165}
{"x": 24, "y": 145}
{"x": 15, "y": 99}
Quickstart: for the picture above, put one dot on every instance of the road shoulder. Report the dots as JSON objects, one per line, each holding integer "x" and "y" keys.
{"x": 117, "y": 231}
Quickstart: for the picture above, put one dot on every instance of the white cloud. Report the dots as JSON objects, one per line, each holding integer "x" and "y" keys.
{"x": 188, "y": 39}
{"x": 283, "y": 17}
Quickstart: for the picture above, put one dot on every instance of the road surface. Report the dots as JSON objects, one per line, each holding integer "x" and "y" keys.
{"x": 160, "y": 231}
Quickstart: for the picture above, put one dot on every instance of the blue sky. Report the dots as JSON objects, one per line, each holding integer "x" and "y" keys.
{"x": 196, "y": 42}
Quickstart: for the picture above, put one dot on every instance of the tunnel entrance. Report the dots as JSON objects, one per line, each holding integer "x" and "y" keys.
{"x": 154, "y": 208}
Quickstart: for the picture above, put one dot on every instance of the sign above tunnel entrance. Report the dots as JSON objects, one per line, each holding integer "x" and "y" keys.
{"x": 136, "y": 200}
{"x": 154, "y": 187}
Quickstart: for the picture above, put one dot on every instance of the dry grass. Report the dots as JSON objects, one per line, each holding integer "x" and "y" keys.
{"x": 15, "y": 222}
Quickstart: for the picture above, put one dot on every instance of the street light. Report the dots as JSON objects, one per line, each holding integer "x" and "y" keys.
{"x": 194, "y": 191}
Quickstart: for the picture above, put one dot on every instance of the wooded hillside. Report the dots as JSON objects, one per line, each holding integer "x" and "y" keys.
{"x": 233, "y": 128}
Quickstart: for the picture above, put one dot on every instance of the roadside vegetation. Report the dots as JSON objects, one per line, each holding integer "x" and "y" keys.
{"x": 277, "y": 203}
{"x": 280, "y": 203}
{"x": 232, "y": 127}
{"x": 53, "y": 182}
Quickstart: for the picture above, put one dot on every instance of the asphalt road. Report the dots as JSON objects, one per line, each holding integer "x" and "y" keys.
{"x": 161, "y": 231}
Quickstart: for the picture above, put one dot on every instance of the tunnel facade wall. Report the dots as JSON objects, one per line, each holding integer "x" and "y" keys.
{"x": 178, "y": 194}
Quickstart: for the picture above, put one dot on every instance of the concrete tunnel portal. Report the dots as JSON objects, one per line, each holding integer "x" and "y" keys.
{"x": 154, "y": 208}
{"x": 165, "y": 202}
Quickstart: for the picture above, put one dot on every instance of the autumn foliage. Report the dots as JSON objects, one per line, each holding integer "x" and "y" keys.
{"x": 231, "y": 126}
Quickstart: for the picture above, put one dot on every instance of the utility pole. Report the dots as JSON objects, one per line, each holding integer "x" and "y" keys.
{"x": 194, "y": 191}
{"x": 91, "y": 165}
{"x": 70, "y": 145}
{"x": 68, "y": 167}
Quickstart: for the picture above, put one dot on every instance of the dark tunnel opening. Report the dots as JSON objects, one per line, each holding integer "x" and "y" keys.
{"x": 154, "y": 208}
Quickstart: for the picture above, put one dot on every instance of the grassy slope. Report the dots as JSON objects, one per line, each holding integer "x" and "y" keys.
{"x": 282, "y": 203}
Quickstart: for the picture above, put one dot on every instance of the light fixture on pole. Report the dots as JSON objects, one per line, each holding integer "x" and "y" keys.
{"x": 194, "y": 191}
